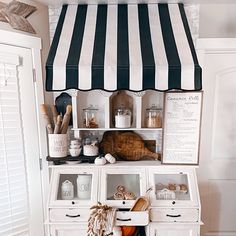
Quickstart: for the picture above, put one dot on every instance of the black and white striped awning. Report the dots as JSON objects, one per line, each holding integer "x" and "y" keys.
{"x": 116, "y": 47}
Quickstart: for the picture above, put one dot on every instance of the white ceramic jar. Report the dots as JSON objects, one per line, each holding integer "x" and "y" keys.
{"x": 67, "y": 190}
{"x": 57, "y": 145}
{"x": 84, "y": 186}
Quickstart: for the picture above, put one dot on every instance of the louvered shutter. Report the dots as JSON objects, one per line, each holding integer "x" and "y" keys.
{"x": 14, "y": 204}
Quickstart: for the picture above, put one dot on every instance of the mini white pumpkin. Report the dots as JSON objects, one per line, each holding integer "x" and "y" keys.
{"x": 110, "y": 158}
{"x": 100, "y": 160}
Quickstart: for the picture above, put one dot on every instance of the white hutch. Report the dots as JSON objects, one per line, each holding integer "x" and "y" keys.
{"x": 178, "y": 215}
{"x": 98, "y": 50}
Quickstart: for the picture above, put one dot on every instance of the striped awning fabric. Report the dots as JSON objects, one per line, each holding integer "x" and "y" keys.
{"x": 123, "y": 47}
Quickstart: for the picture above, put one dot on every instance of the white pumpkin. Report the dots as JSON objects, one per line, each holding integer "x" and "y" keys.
{"x": 100, "y": 160}
{"x": 110, "y": 158}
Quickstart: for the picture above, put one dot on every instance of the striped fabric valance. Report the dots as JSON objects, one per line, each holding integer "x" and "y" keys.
{"x": 116, "y": 47}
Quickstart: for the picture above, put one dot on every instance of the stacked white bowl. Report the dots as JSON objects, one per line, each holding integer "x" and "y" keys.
{"x": 75, "y": 148}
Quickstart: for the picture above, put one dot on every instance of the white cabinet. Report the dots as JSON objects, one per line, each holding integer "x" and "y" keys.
{"x": 134, "y": 181}
{"x": 85, "y": 193}
{"x": 68, "y": 230}
{"x": 179, "y": 215}
{"x": 174, "y": 230}
{"x": 173, "y": 187}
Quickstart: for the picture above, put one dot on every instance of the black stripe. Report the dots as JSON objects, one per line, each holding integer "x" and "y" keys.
{"x": 99, "y": 48}
{"x": 174, "y": 77}
{"x": 72, "y": 73}
{"x": 146, "y": 48}
{"x": 53, "y": 50}
{"x": 122, "y": 48}
{"x": 197, "y": 68}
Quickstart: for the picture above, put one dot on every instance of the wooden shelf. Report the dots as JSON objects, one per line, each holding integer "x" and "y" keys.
{"x": 116, "y": 129}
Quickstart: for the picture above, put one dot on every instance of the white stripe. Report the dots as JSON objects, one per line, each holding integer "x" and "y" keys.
{"x": 186, "y": 59}
{"x": 161, "y": 63}
{"x": 136, "y": 66}
{"x": 85, "y": 62}
{"x": 110, "y": 61}
{"x": 59, "y": 65}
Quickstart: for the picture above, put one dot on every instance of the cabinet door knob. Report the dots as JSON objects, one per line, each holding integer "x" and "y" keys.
{"x": 72, "y": 216}
{"x": 173, "y": 215}
{"x": 123, "y": 219}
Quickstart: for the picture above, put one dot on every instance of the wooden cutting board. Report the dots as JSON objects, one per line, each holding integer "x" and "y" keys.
{"x": 126, "y": 145}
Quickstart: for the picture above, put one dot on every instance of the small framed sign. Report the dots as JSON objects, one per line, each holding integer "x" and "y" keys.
{"x": 181, "y": 129}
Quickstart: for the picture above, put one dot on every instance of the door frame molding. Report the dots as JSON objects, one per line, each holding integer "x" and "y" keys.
{"x": 204, "y": 47}
{"x": 216, "y": 45}
{"x": 35, "y": 45}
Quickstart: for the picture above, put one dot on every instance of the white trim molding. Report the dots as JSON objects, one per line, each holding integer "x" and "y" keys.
{"x": 216, "y": 44}
{"x": 20, "y": 40}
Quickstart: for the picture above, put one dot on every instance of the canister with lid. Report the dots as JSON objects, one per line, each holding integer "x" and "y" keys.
{"x": 67, "y": 190}
{"x": 153, "y": 117}
{"x": 90, "y": 117}
{"x": 84, "y": 186}
{"x": 123, "y": 117}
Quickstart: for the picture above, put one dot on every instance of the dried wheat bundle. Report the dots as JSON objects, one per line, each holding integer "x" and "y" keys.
{"x": 101, "y": 220}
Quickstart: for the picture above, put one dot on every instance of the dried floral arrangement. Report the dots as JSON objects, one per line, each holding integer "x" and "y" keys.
{"x": 15, "y": 13}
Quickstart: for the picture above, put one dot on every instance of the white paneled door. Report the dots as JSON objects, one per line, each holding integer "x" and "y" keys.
{"x": 20, "y": 183}
{"x": 217, "y": 172}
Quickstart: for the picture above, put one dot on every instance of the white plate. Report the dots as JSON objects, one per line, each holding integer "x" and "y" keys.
{"x": 73, "y": 162}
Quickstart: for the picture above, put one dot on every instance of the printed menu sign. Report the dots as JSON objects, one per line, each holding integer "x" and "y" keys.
{"x": 182, "y": 120}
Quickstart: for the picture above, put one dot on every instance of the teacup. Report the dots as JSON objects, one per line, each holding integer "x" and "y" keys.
{"x": 75, "y": 142}
{"x": 74, "y": 152}
{"x": 74, "y": 146}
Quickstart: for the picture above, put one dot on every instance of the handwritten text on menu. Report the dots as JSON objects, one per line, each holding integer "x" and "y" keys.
{"x": 182, "y": 127}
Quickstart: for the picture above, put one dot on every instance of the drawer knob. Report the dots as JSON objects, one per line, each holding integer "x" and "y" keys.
{"x": 123, "y": 219}
{"x": 73, "y": 202}
{"x": 175, "y": 216}
{"x": 72, "y": 216}
{"x": 173, "y": 202}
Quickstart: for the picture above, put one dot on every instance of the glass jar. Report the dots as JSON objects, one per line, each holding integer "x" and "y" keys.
{"x": 153, "y": 117}
{"x": 90, "y": 117}
{"x": 123, "y": 117}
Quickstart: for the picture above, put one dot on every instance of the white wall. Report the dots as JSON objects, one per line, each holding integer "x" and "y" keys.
{"x": 40, "y": 22}
{"x": 217, "y": 21}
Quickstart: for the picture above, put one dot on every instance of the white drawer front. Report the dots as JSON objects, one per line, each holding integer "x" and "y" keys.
{"x": 132, "y": 218}
{"x": 69, "y": 215}
{"x": 175, "y": 215}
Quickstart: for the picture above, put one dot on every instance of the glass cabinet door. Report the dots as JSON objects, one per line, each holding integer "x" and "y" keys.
{"x": 121, "y": 187}
{"x": 173, "y": 187}
{"x": 73, "y": 186}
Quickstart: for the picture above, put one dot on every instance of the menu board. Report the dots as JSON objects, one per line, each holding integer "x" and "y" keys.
{"x": 181, "y": 134}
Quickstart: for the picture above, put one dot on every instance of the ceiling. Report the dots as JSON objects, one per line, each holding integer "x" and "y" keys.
{"x": 60, "y": 2}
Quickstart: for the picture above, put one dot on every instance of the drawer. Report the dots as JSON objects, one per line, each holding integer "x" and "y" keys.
{"x": 174, "y": 215}
{"x": 69, "y": 215}
{"x": 132, "y": 218}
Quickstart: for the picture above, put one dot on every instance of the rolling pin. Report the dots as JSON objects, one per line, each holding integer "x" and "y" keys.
{"x": 54, "y": 114}
{"x": 66, "y": 120}
{"x": 44, "y": 112}
{"x": 57, "y": 128}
